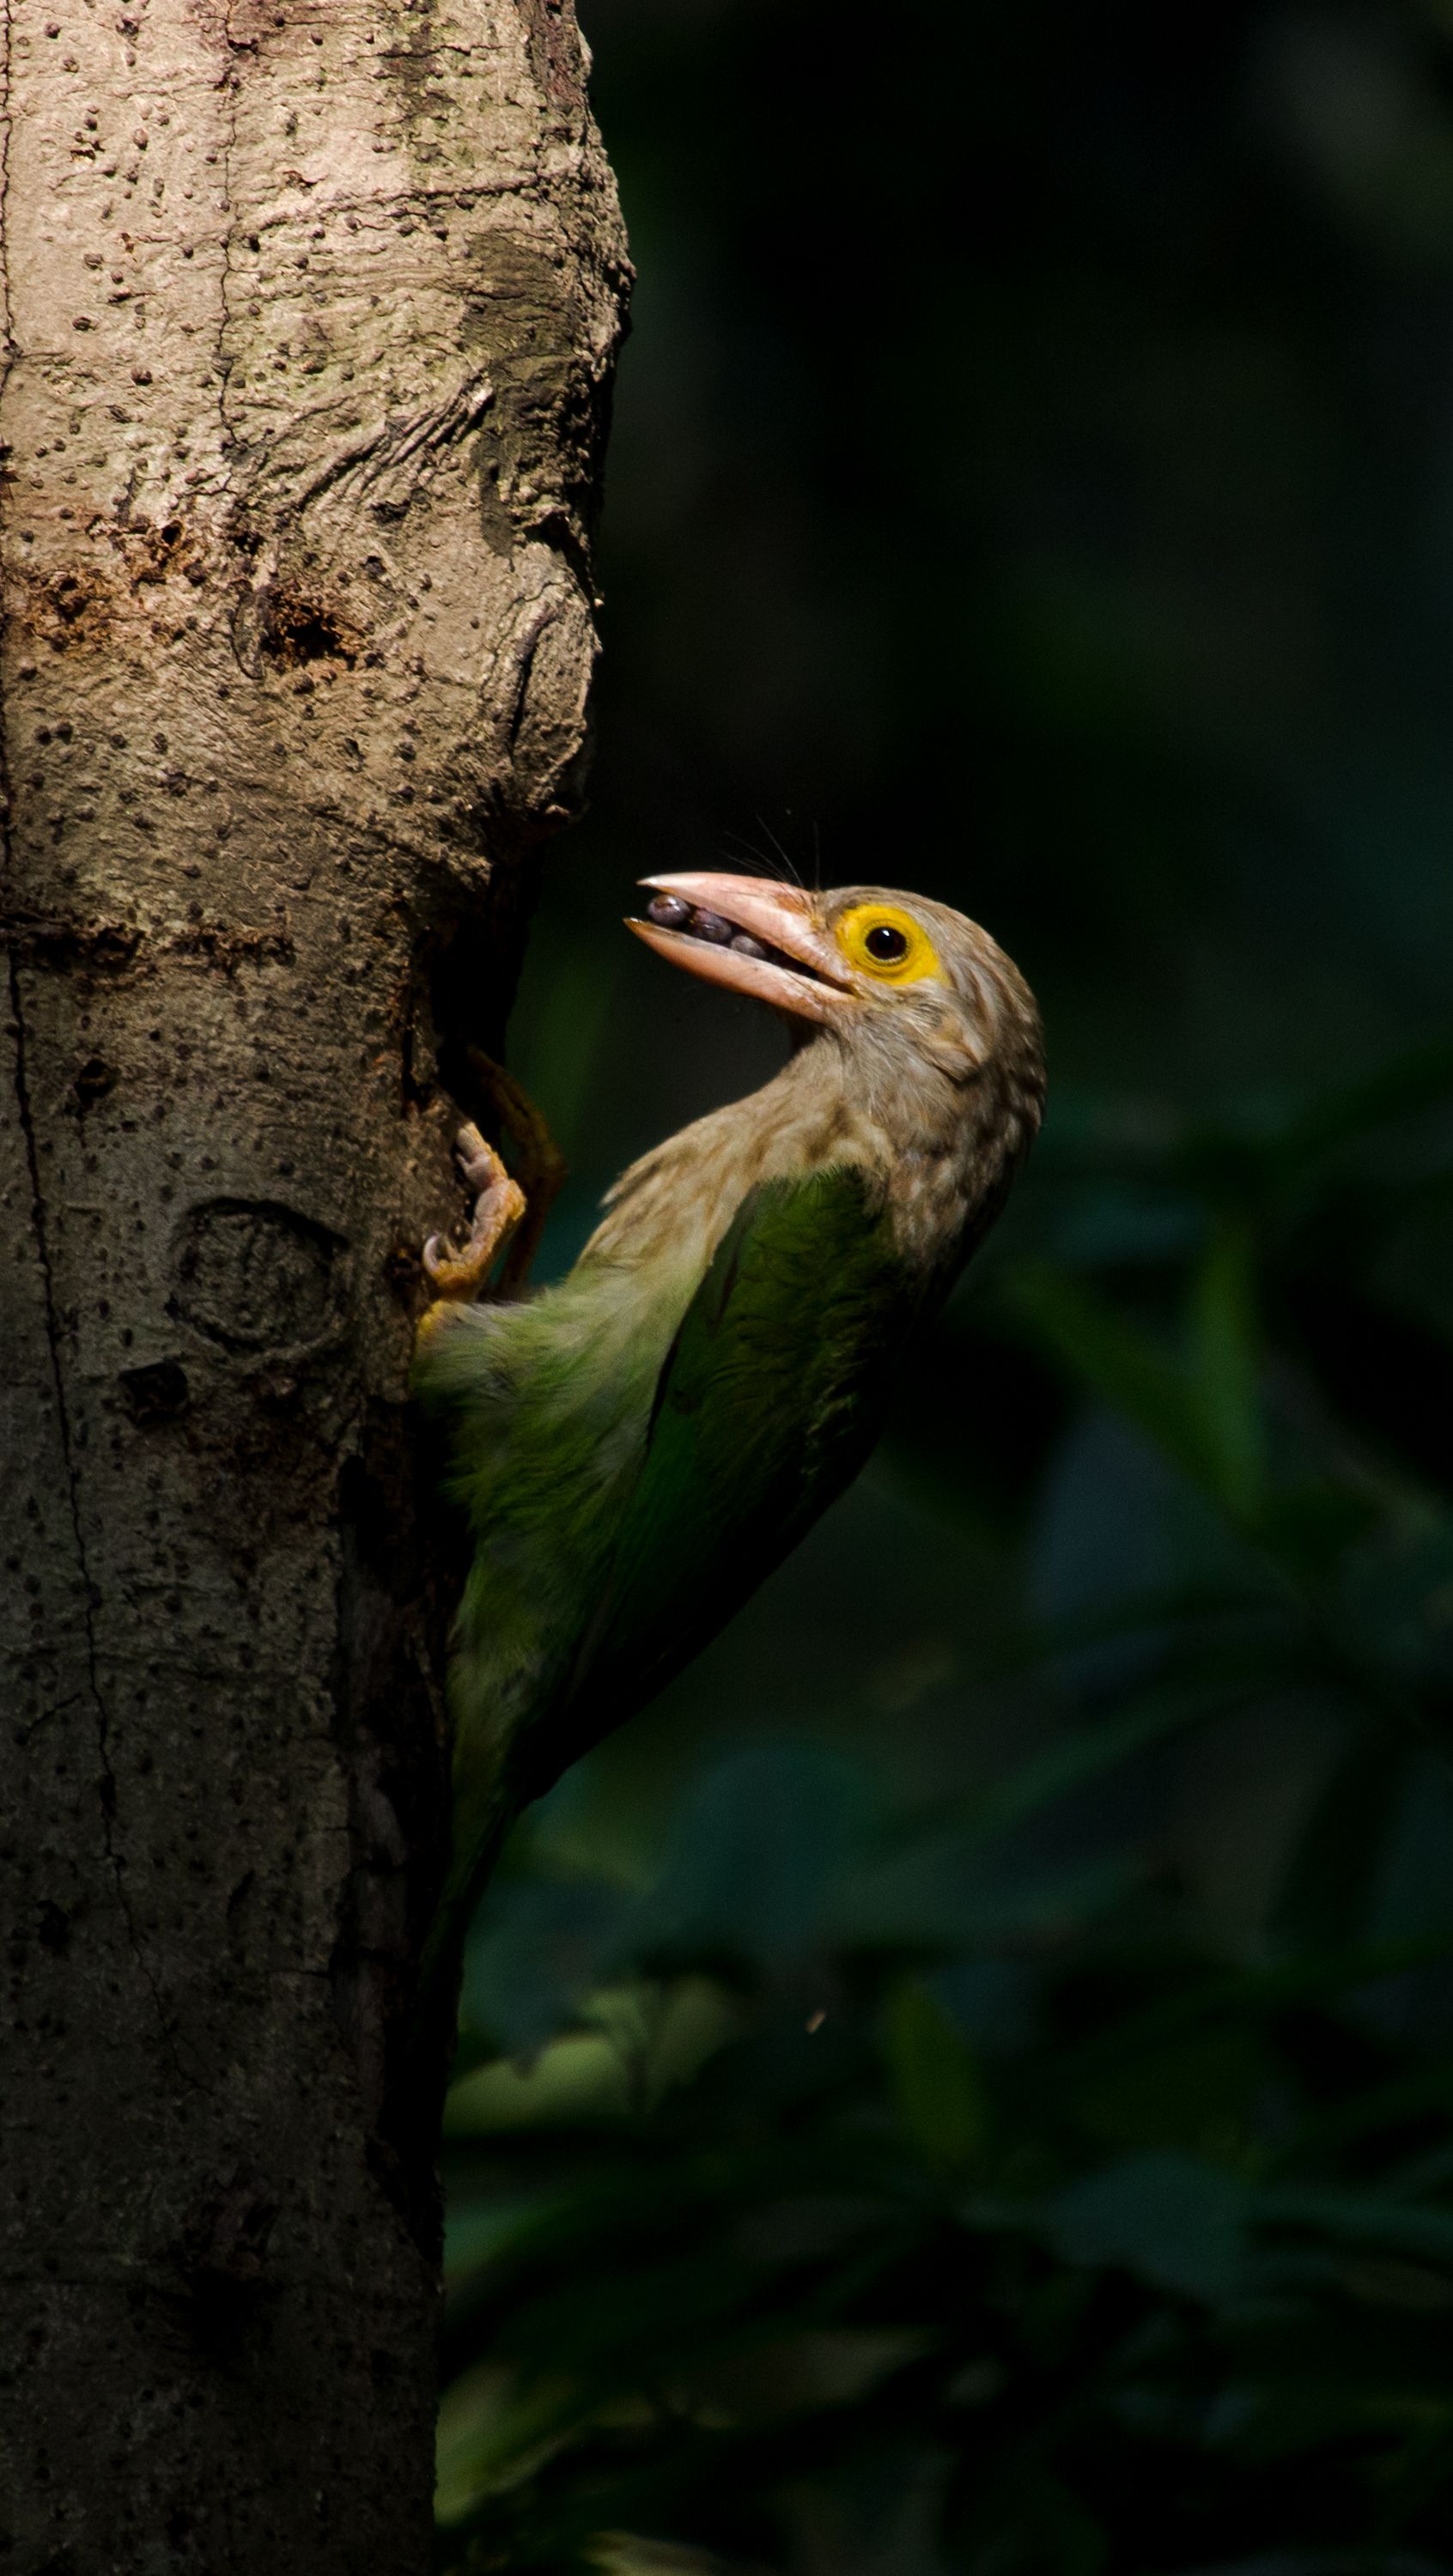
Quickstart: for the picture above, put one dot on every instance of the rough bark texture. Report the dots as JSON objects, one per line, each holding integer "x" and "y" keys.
{"x": 309, "y": 316}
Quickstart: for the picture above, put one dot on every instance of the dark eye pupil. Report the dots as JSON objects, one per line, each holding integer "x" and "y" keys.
{"x": 884, "y": 943}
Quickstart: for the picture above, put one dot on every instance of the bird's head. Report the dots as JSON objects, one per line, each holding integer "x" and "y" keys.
{"x": 877, "y": 969}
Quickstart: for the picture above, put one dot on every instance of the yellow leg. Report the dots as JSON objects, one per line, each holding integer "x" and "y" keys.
{"x": 457, "y": 1278}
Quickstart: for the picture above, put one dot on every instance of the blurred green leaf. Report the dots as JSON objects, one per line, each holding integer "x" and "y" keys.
{"x": 1226, "y": 1360}
{"x": 935, "y": 2081}
{"x": 1103, "y": 1352}
{"x": 1177, "y": 2222}
{"x": 493, "y": 2431}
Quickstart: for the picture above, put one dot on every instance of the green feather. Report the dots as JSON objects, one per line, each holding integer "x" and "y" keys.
{"x": 769, "y": 1402}
{"x": 632, "y": 1471}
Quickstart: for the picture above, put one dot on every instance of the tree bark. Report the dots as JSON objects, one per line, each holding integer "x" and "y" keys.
{"x": 309, "y": 318}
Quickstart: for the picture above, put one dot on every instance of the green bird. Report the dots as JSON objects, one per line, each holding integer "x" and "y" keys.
{"x": 637, "y": 1447}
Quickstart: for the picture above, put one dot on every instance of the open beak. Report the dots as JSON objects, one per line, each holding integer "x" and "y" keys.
{"x": 753, "y": 936}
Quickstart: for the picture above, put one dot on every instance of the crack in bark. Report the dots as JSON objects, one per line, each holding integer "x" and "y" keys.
{"x": 8, "y": 355}
{"x": 27, "y": 1119}
{"x": 460, "y": 193}
{"x": 73, "y": 1504}
{"x": 381, "y": 451}
{"x": 225, "y": 364}
{"x": 7, "y": 342}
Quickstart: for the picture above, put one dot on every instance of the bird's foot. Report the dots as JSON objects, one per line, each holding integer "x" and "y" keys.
{"x": 537, "y": 1160}
{"x": 499, "y": 1205}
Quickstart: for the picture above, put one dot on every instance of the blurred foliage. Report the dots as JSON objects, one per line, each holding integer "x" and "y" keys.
{"x": 963, "y": 2083}
{"x": 880, "y": 2186}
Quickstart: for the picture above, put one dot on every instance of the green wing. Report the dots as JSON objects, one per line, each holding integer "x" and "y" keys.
{"x": 769, "y": 1400}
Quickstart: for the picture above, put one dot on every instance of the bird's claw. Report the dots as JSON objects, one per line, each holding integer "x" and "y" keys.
{"x": 478, "y": 1161}
{"x": 499, "y": 1204}
{"x": 537, "y": 1159}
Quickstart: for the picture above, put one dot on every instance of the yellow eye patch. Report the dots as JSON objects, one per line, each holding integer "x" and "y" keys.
{"x": 881, "y": 940}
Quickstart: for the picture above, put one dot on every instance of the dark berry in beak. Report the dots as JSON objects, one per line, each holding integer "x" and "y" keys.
{"x": 668, "y": 912}
{"x": 710, "y": 925}
{"x": 746, "y": 945}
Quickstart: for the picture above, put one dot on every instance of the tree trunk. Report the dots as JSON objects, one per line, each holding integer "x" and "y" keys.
{"x": 309, "y": 320}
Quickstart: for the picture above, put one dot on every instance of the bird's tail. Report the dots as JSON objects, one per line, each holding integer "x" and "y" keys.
{"x": 477, "y": 1840}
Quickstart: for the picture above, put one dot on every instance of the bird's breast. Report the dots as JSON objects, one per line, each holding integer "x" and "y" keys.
{"x": 929, "y": 1151}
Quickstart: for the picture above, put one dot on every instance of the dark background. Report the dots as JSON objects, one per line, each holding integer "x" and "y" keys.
{"x": 962, "y": 2083}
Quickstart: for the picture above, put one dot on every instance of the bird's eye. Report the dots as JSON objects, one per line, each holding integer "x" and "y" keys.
{"x": 884, "y": 944}
{"x": 884, "y": 941}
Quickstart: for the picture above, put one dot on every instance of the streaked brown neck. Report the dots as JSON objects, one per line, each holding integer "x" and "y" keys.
{"x": 936, "y": 1129}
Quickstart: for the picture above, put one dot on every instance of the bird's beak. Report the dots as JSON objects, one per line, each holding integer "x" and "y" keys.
{"x": 785, "y": 958}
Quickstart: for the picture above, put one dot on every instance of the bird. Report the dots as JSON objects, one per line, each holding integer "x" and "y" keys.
{"x": 637, "y": 1446}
